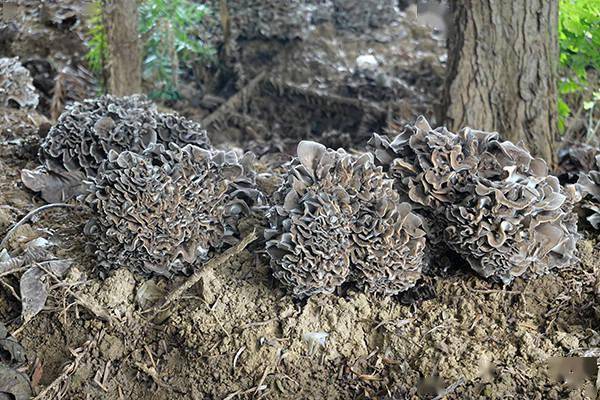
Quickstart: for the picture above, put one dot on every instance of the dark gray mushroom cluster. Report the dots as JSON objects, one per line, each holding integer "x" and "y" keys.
{"x": 161, "y": 210}
{"x": 337, "y": 218}
{"x": 589, "y": 185}
{"x": 87, "y": 131}
{"x": 16, "y": 85}
{"x": 284, "y": 20}
{"x": 490, "y": 200}
{"x": 360, "y": 15}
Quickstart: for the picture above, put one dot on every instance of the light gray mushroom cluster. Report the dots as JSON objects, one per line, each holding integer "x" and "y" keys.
{"x": 16, "y": 85}
{"x": 589, "y": 185}
{"x": 161, "y": 210}
{"x": 337, "y": 218}
{"x": 87, "y": 131}
{"x": 494, "y": 204}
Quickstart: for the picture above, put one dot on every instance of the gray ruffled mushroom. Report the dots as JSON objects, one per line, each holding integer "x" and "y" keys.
{"x": 495, "y": 204}
{"x": 161, "y": 211}
{"x": 16, "y": 85}
{"x": 589, "y": 184}
{"x": 337, "y": 218}
{"x": 88, "y": 131}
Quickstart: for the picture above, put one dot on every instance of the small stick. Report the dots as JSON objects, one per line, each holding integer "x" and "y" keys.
{"x": 243, "y": 392}
{"x": 260, "y": 385}
{"x": 28, "y": 216}
{"x": 237, "y": 356}
{"x": 213, "y": 263}
{"x": 151, "y": 372}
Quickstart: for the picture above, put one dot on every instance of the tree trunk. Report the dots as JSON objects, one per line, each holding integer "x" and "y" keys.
{"x": 502, "y": 70}
{"x": 124, "y": 65}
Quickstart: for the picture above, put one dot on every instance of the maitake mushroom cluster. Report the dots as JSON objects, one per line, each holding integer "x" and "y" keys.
{"x": 590, "y": 187}
{"x": 16, "y": 85}
{"x": 87, "y": 131}
{"x": 162, "y": 210}
{"x": 497, "y": 206}
{"x": 338, "y": 218}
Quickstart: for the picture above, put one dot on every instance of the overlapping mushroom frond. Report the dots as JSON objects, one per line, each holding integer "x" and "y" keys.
{"x": 86, "y": 132}
{"x": 590, "y": 187}
{"x": 496, "y": 204}
{"x": 16, "y": 85}
{"x": 337, "y": 218}
{"x": 161, "y": 210}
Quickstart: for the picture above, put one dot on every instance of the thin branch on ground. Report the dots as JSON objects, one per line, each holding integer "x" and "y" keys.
{"x": 213, "y": 263}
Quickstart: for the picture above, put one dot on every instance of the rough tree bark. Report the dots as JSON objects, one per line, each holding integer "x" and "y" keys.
{"x": 502, "y": 70}
{"x": 124, "y": 65}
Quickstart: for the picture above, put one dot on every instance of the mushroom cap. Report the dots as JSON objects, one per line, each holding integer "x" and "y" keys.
{"x": 337, "y": 218}
{"x": 495, "y": 204}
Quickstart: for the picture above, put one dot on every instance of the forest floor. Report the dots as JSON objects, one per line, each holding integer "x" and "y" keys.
{"x": 237, "y": 334}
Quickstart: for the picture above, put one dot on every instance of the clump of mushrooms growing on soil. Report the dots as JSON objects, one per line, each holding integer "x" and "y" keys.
{"x": 162, "y": 198}
{"x": 494, "y": 204}
{"x": 337, "y": 218}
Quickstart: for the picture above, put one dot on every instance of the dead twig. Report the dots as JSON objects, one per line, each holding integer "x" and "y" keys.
{"x": 322, "y": 98}
{"x": 213, "y": 263}
{"x": 244, "y": 392}
{"x": 29, "y": 215}
{"x": 253, "y": 324}
{"x": 262, "y": 380}
{"x": 92, "y": 307}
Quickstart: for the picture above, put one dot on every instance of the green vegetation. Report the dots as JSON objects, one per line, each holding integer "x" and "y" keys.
{"x": 97, "y": 54}
{"x": 169, "y": 30}
{"x": 579, "y": 40}
{"x": 169, "y": 36}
